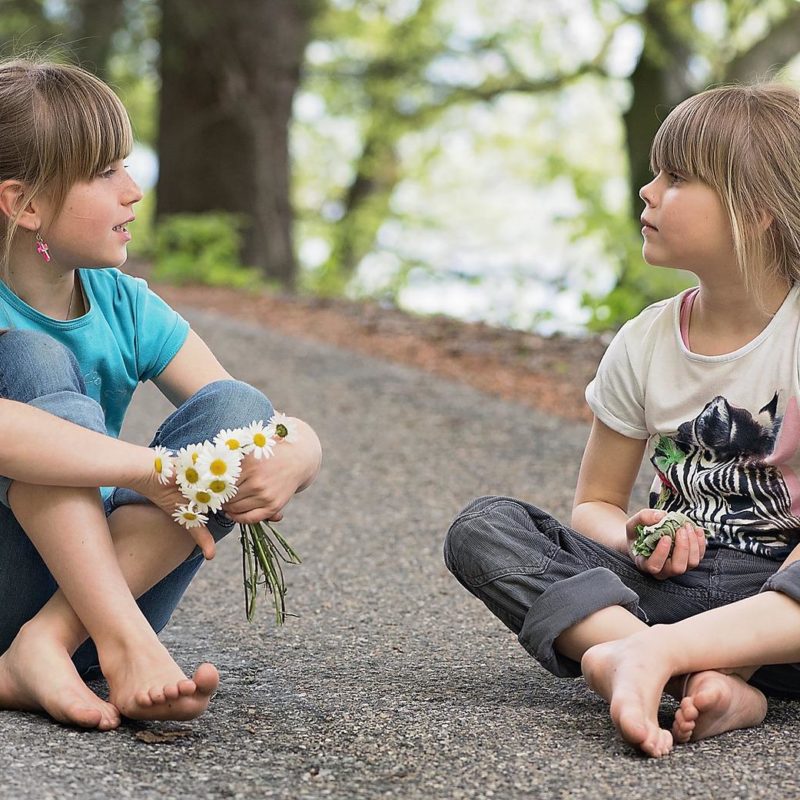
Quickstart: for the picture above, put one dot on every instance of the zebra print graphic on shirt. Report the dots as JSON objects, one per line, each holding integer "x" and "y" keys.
{"x": 713, "y": 469}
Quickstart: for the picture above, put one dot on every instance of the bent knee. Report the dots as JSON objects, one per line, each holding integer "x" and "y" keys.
{"x": 239, "y": 403}
{"x": 33, "y": 364}
{"x": 492, "y": 537}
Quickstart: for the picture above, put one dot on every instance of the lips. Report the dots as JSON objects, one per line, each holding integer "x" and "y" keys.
{"x": 647, "y": 224}
{"x": 123, "y": 226}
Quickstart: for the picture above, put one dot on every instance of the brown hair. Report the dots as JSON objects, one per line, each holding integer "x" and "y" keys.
{"x": 59, "y": 125}
{"x": 744, "y": 142}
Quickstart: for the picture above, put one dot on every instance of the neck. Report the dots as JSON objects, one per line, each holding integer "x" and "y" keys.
{"x": 725, "y": 317}
{"x": 47, "y": 287}
{"x": 730, "y": 304}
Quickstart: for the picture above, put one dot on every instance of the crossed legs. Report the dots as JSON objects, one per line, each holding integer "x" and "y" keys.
{"x": 578, "y": 605}
{"x": 100, "y": 568}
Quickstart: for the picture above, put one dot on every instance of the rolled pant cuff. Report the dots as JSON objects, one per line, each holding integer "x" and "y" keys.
{"x": 786, "y": 581}
{"x": 565, "y": 603}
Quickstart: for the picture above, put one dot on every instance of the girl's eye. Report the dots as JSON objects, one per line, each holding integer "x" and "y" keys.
{"x": 674, "y": 177}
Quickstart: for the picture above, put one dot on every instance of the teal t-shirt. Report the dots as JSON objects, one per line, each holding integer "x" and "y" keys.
{"x": 127, "y": 336}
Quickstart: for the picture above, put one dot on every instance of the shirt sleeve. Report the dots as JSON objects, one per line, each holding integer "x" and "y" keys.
{"x": 616, "y": 394}
{"x": 160, "y": 333}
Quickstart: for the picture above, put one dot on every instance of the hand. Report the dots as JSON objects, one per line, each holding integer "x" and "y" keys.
{"x": 266, "y": 485}
{"x": 687, "y": 552}
{"x": 168, "y": 498}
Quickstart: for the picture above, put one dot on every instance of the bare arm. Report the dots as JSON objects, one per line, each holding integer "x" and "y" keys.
{"x": 609, "y": 467}
{"x": 265, "y": 486}
{"x": 39, "y": 448}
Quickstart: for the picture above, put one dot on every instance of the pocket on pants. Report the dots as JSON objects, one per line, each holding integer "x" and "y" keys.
{"x": 498, "y": 541}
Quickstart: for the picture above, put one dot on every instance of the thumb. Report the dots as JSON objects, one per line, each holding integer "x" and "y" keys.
{"x": 205, "y": 541}
{"x": 656, "y": 515}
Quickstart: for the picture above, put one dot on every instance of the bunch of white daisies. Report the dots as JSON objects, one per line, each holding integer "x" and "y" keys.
{"x": 206, "y": 475}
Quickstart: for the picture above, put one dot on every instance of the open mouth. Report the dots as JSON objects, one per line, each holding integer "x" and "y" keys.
{"x": 123, "y": 226}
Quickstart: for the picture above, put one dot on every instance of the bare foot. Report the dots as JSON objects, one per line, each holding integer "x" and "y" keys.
{"x": 145, "y": 683}
{"x": 37, "y": 674}
{"x": 632, "y": 680}
{"x": 715, "y": 703}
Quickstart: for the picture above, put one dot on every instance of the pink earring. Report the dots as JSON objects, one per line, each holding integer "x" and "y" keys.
{"x": 41, "y": 247}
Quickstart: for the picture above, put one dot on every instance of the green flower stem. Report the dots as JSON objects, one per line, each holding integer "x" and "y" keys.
{"x": 261, "y": 566}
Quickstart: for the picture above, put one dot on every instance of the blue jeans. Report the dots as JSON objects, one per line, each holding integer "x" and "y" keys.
{"x": 37, "y": 370}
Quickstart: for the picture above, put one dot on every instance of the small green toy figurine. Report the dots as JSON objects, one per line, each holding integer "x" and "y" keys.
{"x": 649, "y": 535}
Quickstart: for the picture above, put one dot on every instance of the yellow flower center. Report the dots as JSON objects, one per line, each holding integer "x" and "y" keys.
{"x": 259, "y": 440}
{"x": 218, "y": 486}
{"x": 159, "y": 465}
{"x": 192, "y": 475}
{"x": 233, "y": 444}
{"x": 218, "y": 467}
{"x": 203, "y": 497}
{"x": 189, "y": 515}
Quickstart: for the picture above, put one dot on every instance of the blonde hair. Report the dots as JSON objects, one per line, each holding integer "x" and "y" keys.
{"x": 59, "y": 125}
{"x": 744, "y": 142}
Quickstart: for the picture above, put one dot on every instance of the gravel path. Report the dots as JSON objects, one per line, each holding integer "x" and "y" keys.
{"x": 392, "y": 681}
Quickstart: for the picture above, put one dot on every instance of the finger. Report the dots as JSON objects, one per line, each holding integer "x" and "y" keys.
{"x": 694, "y": 547}
{"x": 651, "y": 516}
{"x": 205, "y": 541}
{"x": 251, "y": 517}
{"x": 701, "y": 542}
{"x": 680, "y": 552}
{"x": 659, "y": 556}
{"x": 244, "y": 505}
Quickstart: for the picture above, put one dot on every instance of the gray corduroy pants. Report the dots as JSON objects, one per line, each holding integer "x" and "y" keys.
{"x": 539, "y": 578}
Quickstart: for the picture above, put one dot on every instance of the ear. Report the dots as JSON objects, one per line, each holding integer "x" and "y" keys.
{"x": 765, "y": 221}
{"x": 12, "y": 197}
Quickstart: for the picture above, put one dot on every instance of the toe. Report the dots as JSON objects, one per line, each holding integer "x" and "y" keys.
{"x": 85, "y": 716}
{"x": 206, "y": 678}
{"x": 186, "y": 688}
{"x": 157, "y": 695}
{"x": 172, "y": 692}
{"x": 143, "y": 699}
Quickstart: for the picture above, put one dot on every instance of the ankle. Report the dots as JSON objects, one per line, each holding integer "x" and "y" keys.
{"x": 663, "y": 646}
{"x": 55, "y": 631}
{"x": 119, "y": 649}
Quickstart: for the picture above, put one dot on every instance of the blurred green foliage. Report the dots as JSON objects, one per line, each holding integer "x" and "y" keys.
{"x": 392, "y": 83}
{"x": 202, "y": 248}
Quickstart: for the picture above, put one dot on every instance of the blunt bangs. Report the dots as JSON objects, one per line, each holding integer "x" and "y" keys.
{"x": 83, "y": 122}
{"x": 697, "y": 138}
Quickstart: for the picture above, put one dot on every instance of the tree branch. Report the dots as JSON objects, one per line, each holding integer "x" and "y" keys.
{"x": 771, "y": 53}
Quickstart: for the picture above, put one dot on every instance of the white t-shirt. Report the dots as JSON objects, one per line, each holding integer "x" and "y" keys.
{"x": 723, "y": 431}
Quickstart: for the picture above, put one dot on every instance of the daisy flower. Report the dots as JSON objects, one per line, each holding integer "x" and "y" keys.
{"x": 223, "y": 489}
{"x": 218, "y": 462}
{"x": 202, "y": 498}
{"x": 281, "y": 428}
{"x": 257, "y": 441}
{"x": 162, "y": 464}
{"x": 188, "y": 475}
{"x": 189, "y": 516}
{"x": 234, "y": 439}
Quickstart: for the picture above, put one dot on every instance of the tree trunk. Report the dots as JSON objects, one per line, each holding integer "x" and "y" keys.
{"x": 91, "y": 32}
{"x": 229, "y": 71}
{"x": 659, "y": 82}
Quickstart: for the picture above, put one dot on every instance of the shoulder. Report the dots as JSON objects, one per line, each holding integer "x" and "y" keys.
{"x": 653, "y": 320}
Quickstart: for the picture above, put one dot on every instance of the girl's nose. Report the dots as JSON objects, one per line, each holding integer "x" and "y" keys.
{"x": 647, "y": 193}
{"x": 134, "y": 193}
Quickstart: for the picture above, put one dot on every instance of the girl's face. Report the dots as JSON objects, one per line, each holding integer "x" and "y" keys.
{"x": 685, "y": 226}
{"x": 91, "y": 228}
